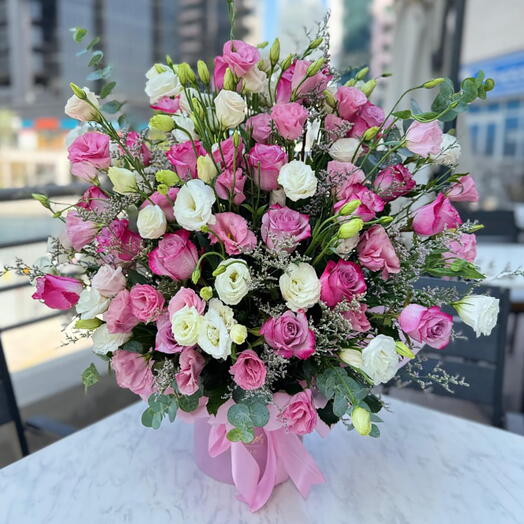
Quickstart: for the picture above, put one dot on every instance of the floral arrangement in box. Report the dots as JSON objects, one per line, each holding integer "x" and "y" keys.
{"x": 248, "y": 260}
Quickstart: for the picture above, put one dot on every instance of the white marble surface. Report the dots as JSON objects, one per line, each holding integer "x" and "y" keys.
{"x": 426, "y": 468}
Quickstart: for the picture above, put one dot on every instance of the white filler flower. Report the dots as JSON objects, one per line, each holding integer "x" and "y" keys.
{"x": 193, "y": 205}
{"x": 298, "y": 180}
{"x": 479, "y": 312}
{"x": 450, "y": 151}
{"x": 300, "y": 286}
{"x": 380, "y": 359}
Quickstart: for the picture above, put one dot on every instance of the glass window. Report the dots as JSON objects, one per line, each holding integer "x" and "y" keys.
{"x": 489, "y": 147}
{"x": 474, "y": 135}
{"x": 510, "y": 145}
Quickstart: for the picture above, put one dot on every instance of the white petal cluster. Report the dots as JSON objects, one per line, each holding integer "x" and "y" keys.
{"x": 81, "y": 109}
{"x": 105, "y": 342}
{"x": 161, "y": 81}
{"x": 213, "y": 335}
{"x": 193, "y": 205}
{"x": 230, "y": 108}
{"x": 380, "y": 359}
{"x": 185, "y": 324}
{"x": 300, "y": 286}
{"x": 151, "y": 222}
{"x": 479, "y": 312}
{"x": 91, "y": 303}
{"x": 232, "y": 285}
{"x": 298, "y": 180}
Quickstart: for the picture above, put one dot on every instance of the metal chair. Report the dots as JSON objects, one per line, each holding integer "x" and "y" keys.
{"x": 479, "y": 360}
{"x": 500, "y": 225}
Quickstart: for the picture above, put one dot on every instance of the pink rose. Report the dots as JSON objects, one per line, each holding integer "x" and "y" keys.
{"x": 146, "y": 302}
{"x": 183, "y": 158}
{"x": 229, "y": 185}
{"x": 465, "y": 190}
{"x": 424, "y": 139}
{"x": 165, "y": 341}
{"x": 300, "y": 415}
{"x": 185, "y": 297}
{"x": 284, "y": 85}
{"x": 342, "y": 175}
{"x": 176, "y": 256}
{"x": 369, "y": 115}
{"x": 376, "y": 252}
{"x": 226, "y": 154}
{"x": 289, "y": 335}
{"x": 336, "y": 127}
{"x": 133, "y": 371}
{"x": 58, "y": 292}
{"x": 164, "y": 202}
{"x": 429, "y": 325}
{"x": 349, "y": 101}
{"x": 289, "y": 119}
{"x": 393, "y": 182}
{"x": 341, "y": 280}
{"x": 282, "y": 223}
{"x": 80, "y": 232}
{"x": 166, "y": 104}
{"x": 435, "y": 217}
{"x": 260, "y": 127}
{"x": 137, "y": 147}
{"x": 119, "y": 316}
{"x": 370, "y": 205}
{"x": 232, "y": 231}
{"x": 302, "y": 85}
{"x": 249, "y": 372}
{"x": 358, "y": 319}
{"x": 219, "y": 72}
{"x": 118, "y": 243}
{"x": 240, "y": 57}
{"x": 266, "y": 162}
{"x": 465, "y": 247}
{"x": 109, "y": 281}
{"x": 94, "y": 199}
{"x": 91, "y": 148}
{"x": 191, "y": 365}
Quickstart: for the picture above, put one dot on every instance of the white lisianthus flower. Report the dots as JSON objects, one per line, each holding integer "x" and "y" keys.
{"x": 298, "y": 180}
{"x": 194, "y": 204}
{"x": 91, "y": 303}
{"x": 230, "y": 108}
{"x": 450, "y": 151}
{"x": 255, "y": 81}
{"x": 343, "y": 149}
{"x": 124, "y": 180}
{"x": 206, "y": 169}
{"x": 346, "y": 245}
{"x": 238, "y": 333}
{"x": 232, "y": 285}
{"x": 164, "y": 83}
{"x": 300, "y": 286}
{"x": 105, "y": 342}
{"x": 479, "y": 312}
{"x": 224, "y": 311}
{"x": 151, "y": 222}
{"x": 188, "y": 128}
{"x": 353, "y": 357}
{"x": 80, "y": 109}
{"x": 213, "y": 336}
{"x": 380, "y": 359}
{"x": 185, "y": 324}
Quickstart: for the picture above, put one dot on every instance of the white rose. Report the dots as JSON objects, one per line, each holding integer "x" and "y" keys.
{"x": 109, "y": 281}
{"x": 124, "y": 180}
{"x": 188, "y": 128}
{"x": 105, "y": 342}
{"x": 213, "y": 336}
{"x": 194, "y": 204}
{"x": 233, "y": 284}
{"x": 81, "y": 109}
{"x": 353, "y": 357}
{"x": 162, "y": 84}
{"x": 185, "y": 325}
{"x": 91, "y": 303}
{"x": 225, "y": 312}
{"x": 151, "y": 222}
{"x": 380, "y": 359}
{"x": 255, "y": 81}
{"x": 479, "y": 312}
{"x": 300, "y": 286}
{"x": 343, "y": 149}
{"x": 298, "y": 180}
{"x": 449, "y": 151}
{"x": 230, "y": 108}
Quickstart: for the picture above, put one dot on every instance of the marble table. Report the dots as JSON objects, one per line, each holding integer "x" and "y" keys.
{"x": 427, "y": 467}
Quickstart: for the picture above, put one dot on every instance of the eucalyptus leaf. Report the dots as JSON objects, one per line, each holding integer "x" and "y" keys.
{"x": 112, "y": 107}
{"x": 90, "y": 376}
{"x": 239, "y": 416}
{"x": 189, "y": 403}
{"x": 79, "y": 34}
{"x": 340, "y": 405}
{"x": 106, "y": 89}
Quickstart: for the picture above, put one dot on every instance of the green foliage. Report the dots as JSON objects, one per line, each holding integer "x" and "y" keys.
{"x": 90, "y": 376}
{"x": 189, "y": 403}
{"x": 106, "y": 89}
{"x": 79, "y": 33}
{"x": 436, "y": 266}
{"x": 159, "y": 406}
{"x": 249, "y": 413}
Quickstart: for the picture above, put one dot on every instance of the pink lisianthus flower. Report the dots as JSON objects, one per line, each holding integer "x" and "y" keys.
{"x": 376, "y": 252}
{"x": 119, "y": 316}
{"x": 175, "y": 256}
{"x": 289, "y": 119}
{"x": 165, "y": 341}
{"x": 218, "y": 72}
{"x": 304, "y": 86}
{"x": 358, "y": 319}
{"x": 146, "y": 302}
{"x": 133, "y": 372}
{"x": 166, "y": 104}
{"x": 164, "y": 202}
{"x": 249, "y": 372}
{"x": 289, "y": 335}
{"x": 109, "y": 281}
{"x": 260, "y": 127}
{"x": 94, "y": 199}
{"x": 341, "y": 280}
{"x": 80, "y": 232}
{"x": 226, "y": 154}
{"x": 336, "y": 127}
{"x": 393, "y": 182}
{"x": 185, "y": 296}
{"x": 435, "y": 217}
{"x": 137, "y": 147}
{"x": 369, "y": 115}
{"x": 424, "y": 139}
{"x": 183, "y": 157}
{"x": 370, "y": 205}
{"x": 349, "y": 101}
{"x": 191, "y": 365}
{"x": 85, "y": 171}
{"x": 465, "y": 190}
{"x": 299, "y": 415}
{"x": 232, "y": 231}
{"x": 240, "y": 56}
{"x": 281, "y": 223}
{"x": 58, "y": 292}
{"x": 265, "y": 162}
{"x": 91, "y": 148}
{"x": 284, "y": 85}
{"x": 464, "y": 247}
{"x": 429, "y": 325}
{"x": 118, "y": 243}
{"x": 229, "y": 185}
{"x": 343, "y": 175}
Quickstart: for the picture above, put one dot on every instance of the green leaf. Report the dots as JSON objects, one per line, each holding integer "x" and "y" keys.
{"x": 93, "y": 42}
{"x": 96, "y": 58}
{"x": 238, "y": 415}
{"x": 172, "y": 410}
{"x": 403, "y": 115}
{"x": 112, "y": 107}
{"x": 245, "y": 435}
{"x": 426, "y": 117}
{"x": 189, "y": 403}
{"x": 469, "y": 90}
{"x": 340, "y": 404}
{"x": 99, "y": 74}
{"x": 134, "y": 277}
{"x": 375, "y": 405}
{"x": 90, "y": 376}
{"x": 106, "y": 89}
{"x": 147, "y": 417}
{"x": 79, "y": 33}
{"x": 156, "y": 422}
{"x": 375, "y": 432}
{"x": 259, "y": 413}
{"x": 133, "y": 346}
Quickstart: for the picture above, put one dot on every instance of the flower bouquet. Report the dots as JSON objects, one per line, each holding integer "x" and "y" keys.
{"x": 248, "y": 260}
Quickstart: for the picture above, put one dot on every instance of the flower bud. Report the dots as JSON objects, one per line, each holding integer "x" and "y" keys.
{"x": 353, "y": 357}
{"x": 168, "y": 177}
{"x": 206, "y": 169}
{"x": 274, "y": 52}
{"x": 186, "y": 74}
{"x": 316, "y": 43}
{"x": 206, "y": 293}
{"x": 159, "y": 68}
{"x": 433, "y": 83}
{"x": 315, "y": 67}
{"x": 236, "y": 139}
{"x": 43, "y": 199}
{"x": 195, "y": 276}
{"x": 370, "y": 133}
{"x": 229, "y": 80}
{"x": 361, "y": 420}
{"x": 286, "y": 62}
{"x": 203, "y": 72}
{"x": 90, "y": 323}
{"x": 161, "y": 122}
{"x": 489, "y": 84}
{"x": 329, "y": 98}
{"x": 351, "y": 82}
{"x": 385, "y": 220}
{"x": 350, "y": 207}
{"x": 124, "y": 180}
{"x": 403, "y": 350}
{"x": 238, "y": 333}
{"x": 369, "y": 87}
{"x": 197, "y": 108}
{"x": 219, "y": 270}
{"x": 163, "y": 189}
{"x": 351, "y": 228}
{"x": 80, "y": 93}
{"x": 362, "y": 73}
